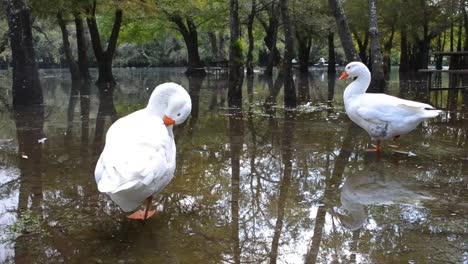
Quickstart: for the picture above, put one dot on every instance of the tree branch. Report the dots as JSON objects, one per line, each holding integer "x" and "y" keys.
{"x": 115, "y": 32}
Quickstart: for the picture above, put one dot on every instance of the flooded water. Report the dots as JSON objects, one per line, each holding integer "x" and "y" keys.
{"x": 258, "y": 184}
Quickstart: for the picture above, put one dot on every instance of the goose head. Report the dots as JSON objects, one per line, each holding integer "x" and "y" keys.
{"x": 355, "y": 69}
{"x": 171, "y": 103}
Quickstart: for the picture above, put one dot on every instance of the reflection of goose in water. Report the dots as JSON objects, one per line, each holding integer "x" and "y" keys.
{"x": 377, "y": 184}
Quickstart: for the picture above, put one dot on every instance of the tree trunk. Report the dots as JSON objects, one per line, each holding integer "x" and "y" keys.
{"x": 4, "y": 42}
{"x": 273, "y": 57}
{"x": 404, "y": 59}
{"x": 222, "y": 44}
{"x": 214, "y": 45}
{"x": 377, "y": 81}
{"x": 465, "y": 24}
{"x": 72, "y": 65}
{"x": 26, "y": 86}
{"x": 465, "y": 48}
{"x": 190, "y": 35}
{"x": 362, "y": 44}
{"x": 289, "y": 89}
{"x": 104, "y": 57}
{"x": 331, "y": 54}
{"x": 271, "y": 30}
{"x": 82, "y": 48}
{"x": 303, "y": 92}
{"x": 79, "y": 73}
{"x": 235, "y": 58}
{"x": 336, "y": 7}
{"x": 195, "y": 65}
{"x": 304, "y": 41}
{"x": 424, "y": 44}
{"x": 250, "y": 21}
{"x": 387, "y": 65}
{"x": 235, "y": 121}
{"x": 388, "y": 45}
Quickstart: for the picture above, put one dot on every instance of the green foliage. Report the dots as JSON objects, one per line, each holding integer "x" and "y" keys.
{"x": 148, "y": 37}
{"x": 239, "y": 48}
{"x": 166, "y": 52}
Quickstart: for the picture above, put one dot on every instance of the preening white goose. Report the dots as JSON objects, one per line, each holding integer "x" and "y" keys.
{"x": 382, "y": 116}
{"x": 139, "y": 156}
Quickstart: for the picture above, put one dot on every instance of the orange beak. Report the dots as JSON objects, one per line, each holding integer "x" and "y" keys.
{"x": 168, "y": 121}
{"x": 344, "y": 75}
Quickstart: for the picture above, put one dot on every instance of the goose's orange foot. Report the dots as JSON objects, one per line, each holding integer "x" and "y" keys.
{"x": 140, "y": 215}
{"x": 373, "y": 150}
{"x": 376, "y": 149}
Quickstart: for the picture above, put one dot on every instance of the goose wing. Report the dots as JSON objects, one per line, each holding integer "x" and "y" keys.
{"x": 382, "y": 108}
{"x": 133, "y": 155}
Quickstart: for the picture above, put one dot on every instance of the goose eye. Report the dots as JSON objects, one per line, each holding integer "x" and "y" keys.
{"x": 178, "y": 114}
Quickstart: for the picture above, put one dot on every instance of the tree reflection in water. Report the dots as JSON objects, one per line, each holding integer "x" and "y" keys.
{"x": 253, "y": 184}
{"x": 106, "y": 109}
{"x": 29, "y": 132}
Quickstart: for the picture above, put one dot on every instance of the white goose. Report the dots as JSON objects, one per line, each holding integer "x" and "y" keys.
{"x": 382, "y": 116}
{"x": 139, "y": 156}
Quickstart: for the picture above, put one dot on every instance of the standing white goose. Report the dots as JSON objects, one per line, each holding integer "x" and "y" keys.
{"x": 382, "y": 116}
{"x": 139, "y": 156}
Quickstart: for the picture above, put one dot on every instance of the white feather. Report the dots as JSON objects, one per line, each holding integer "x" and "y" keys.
{"x": 382, "y": 116}
{"x": 138, "y": 159}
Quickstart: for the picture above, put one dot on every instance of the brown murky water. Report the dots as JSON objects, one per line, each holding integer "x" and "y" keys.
{"x": 253, "y": 185}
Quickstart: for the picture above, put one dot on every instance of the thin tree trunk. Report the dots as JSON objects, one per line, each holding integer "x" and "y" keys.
{"x": 304, "y": 41}
{"x": 271, "y": 37}
{"x": 424, "y": 45}
{"x": 387, "y": 66}
{"x": 250, "y": 21}
{"x": 222, "y": 44}
{"x": 362, "y": 45}
{"x": 104, "y": 57}
{"x": 404, "y": 54}
{"x": 331, "y": 54}
{"x": 289, "y": 89}
{"x": 79, "y": 71}
{"x": 337, "y": 10}
{"x": 4, "y": 42}
{"x": 465, "y": 48}
{"x": 214, "y": 45}
{"x": 272, "y": 57}
{"x": 235, "y": 57}
{"x": 377, "y": 81}
{"x": 303, "y": 94}
{"x": 72, "y": 65}
{"x": 26, "y": 86}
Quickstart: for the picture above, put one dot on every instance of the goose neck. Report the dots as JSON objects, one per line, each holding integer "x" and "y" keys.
{"x": 358, "y": 86}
